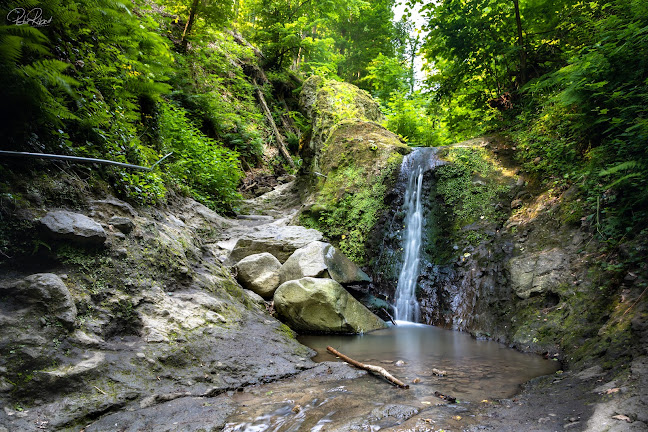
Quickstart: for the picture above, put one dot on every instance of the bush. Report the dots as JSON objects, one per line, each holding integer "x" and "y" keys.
{"x": 201, "y": 166}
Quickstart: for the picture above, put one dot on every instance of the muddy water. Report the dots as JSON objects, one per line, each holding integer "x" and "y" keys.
{"x": 335, "y": 397}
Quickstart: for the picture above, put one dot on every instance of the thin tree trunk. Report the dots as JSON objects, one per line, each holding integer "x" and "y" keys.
{"x": 190, "y": 22}
{"x": 281, "y": 145}
{"x": 518, "y": 22}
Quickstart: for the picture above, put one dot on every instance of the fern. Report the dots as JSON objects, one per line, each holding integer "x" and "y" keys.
{"x": 623, "y": 179}
{"x": 623, "y": 166}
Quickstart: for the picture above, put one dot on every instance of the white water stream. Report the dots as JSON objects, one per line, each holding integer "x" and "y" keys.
{"x": 414, "y": 166}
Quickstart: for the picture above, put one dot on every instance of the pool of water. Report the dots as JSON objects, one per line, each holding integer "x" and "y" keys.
{"x": 475, "y": 369}
{"x": 329, "y": 399}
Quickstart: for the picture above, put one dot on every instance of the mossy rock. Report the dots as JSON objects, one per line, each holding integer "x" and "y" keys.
{"x": 363, "y": 144}
{"x": 327, "y": 103}
{"x": 361, "y": 161}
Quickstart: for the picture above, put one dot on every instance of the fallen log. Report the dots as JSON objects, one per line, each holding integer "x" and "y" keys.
{"x": 371, "y": 368}
{"x": 281, "y": 145}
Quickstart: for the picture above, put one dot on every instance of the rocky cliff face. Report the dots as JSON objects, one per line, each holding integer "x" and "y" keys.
{"x": 350, "y": 162}
{"x": 519, "y": 267}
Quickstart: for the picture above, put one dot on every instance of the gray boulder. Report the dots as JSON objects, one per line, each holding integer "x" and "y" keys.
{"x": 322, "y": 306}
{"x": 46, "y": 290}
{"x": 321, "y": 260}
{"x": 65, "y": 225}
{"x": 259, "y": 273}
{"x": 280, "y": 241}
{"x": 536, "y": 273}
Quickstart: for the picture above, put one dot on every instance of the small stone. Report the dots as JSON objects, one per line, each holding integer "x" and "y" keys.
{"x": 571, "y": 425}
{"x": 517, "y": 203}
{"x": 121, "y": 252}
{"x": 399, "y": 363}
{"x": 140, "y": 355}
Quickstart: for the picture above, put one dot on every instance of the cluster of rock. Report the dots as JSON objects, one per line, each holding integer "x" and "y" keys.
{"x": 307, "y": 289}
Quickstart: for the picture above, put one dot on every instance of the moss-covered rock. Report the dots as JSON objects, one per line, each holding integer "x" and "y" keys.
{"x": 327, "y": 103}
{"x": 323, "y": 306}
{"x": 351, "y": 161}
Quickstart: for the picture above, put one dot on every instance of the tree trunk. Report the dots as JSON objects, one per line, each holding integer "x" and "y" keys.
{"x": 190, "y": 23}
{"x": 518, "y": 22}
{"x": 280, "y": 141}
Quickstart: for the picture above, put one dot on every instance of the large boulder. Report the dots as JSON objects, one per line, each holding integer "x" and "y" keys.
{"x": 45, "y": 290}
{"x": 536, "y": 273}
{"x": 259, "y": 273}
{"x": 75, "y": 227}
{"x": 280, "y": 241}
{"x": 322, "y": 306}
{"x": 321, "y": 260}
{"x": 327, "y": 103}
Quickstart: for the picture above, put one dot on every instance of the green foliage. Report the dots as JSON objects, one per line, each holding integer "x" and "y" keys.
{"x": 363, "y": 38}
{"x": 386, "y": 75}
{"x": 578, "y": 91}
{"x": 201, "y": 166}
{"x": 352, "y": 201}
{"x": 466, "y": 189}
{"x": 211, "y": 83}
{"x": 591, "y": 115}
{"x": 408, "y": 116}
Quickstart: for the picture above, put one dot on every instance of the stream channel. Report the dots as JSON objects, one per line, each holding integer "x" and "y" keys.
{"x": 435, "y": 362}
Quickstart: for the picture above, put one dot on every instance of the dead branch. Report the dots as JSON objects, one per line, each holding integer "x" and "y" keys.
{"x": 450, "y": 399}
{"x": 371, "y": 368}
{"x": 280, "y": 141}
{"x": 391, "y": 318}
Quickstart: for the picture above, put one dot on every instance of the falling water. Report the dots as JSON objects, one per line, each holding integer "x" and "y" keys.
{"x": 414, "y": 166}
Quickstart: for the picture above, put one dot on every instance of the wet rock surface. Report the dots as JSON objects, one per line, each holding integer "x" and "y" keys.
{"x": 146, "y": 333}
{"x": 535, "y": 273}
{"x": 539, "y": 281}
{"x": 45, "y": 291}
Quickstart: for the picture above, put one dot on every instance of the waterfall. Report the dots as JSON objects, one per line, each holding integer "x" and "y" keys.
{"x": 414, "y": 166}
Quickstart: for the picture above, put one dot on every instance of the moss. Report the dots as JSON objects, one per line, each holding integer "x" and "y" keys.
{"x": 352, "y": 203}
{"x": 470, "y": 187}
{"x": 360, "y": 161}
{"x": 286, "y": 331}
